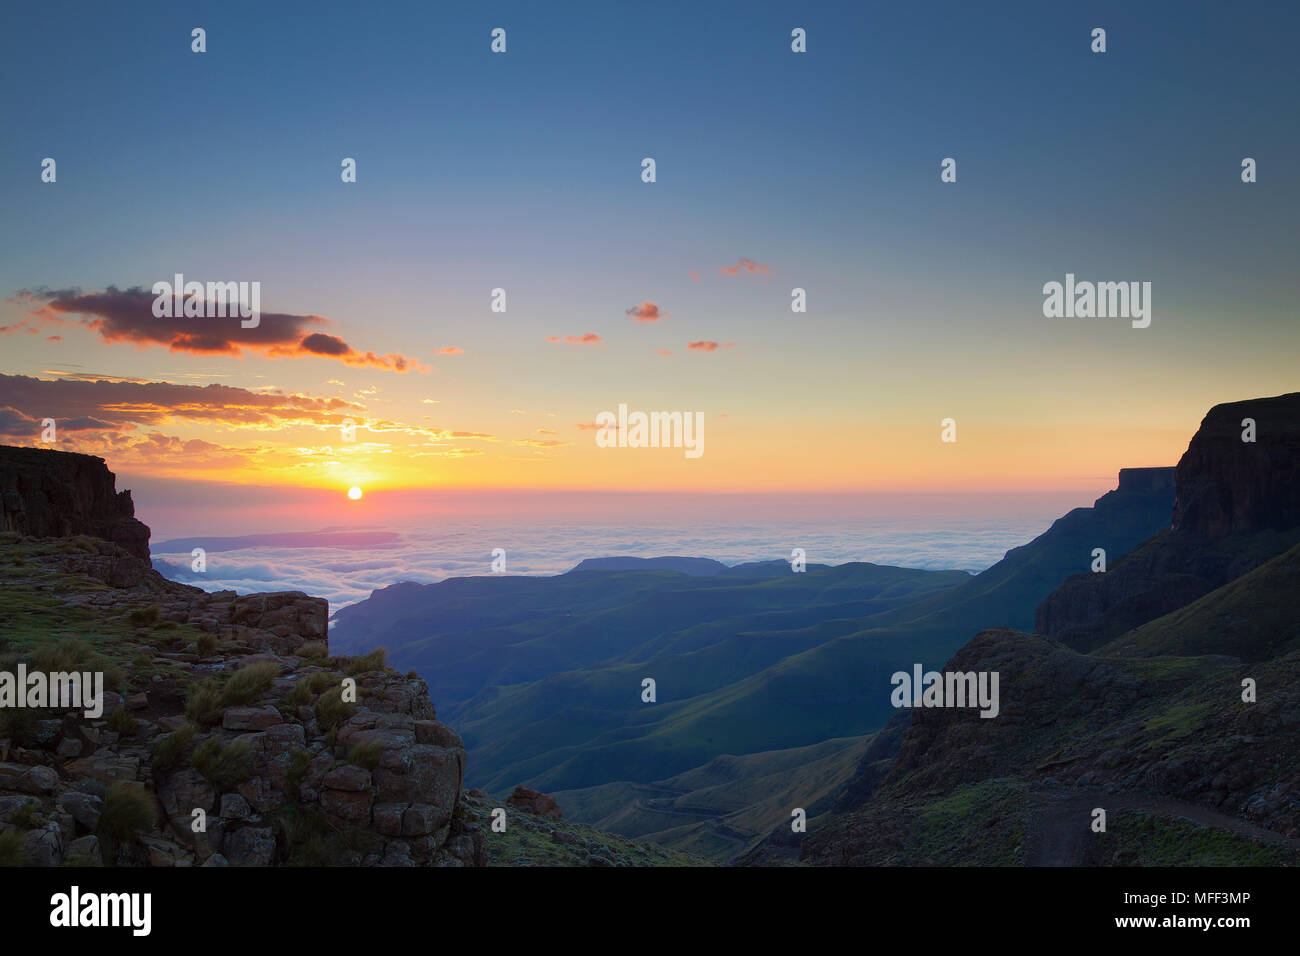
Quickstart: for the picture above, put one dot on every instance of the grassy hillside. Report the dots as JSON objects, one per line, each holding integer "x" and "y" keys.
{"x": 1152, "y": 728}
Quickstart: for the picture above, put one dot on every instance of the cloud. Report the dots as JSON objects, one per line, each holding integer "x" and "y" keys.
{"x": 450, "y": 350}
{"x": 540, "y": 442}
{"x": 127, "y": 316}
{"x": 694, "y": 275}
{"x": 746, "y": 267}
{"x": 663, "y": 352}
{"x": 647, "y": 312}
{"x": 126, "y": 404}
{"x": 590, "y": 338}
{"x": 704, "y": 345}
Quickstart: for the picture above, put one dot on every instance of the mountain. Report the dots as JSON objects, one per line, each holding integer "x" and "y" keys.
{"x": 543, "y": 676}
{"x": 219, "y": 703}
{"x": 697, "y": 566}
{"x": 1153, "y": 724}
{"x": 54, "y": 494}
{"x": 1237, "y": 506}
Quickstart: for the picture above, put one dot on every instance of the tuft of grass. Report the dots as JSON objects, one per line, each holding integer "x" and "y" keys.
{"x": 300, "y": 695}
{"x": 18, "y": 724}
{"x": 207, "y": 644}
{"x": 249, "y": 683}
{"x": 376, "y": 660}
{"x": 27, "y": 816}
{"x": 298, "y": 765}
{"x": 127, "y": 812}
{"x": 224, "y": 765}
{"x": 320, "y": 681}
{"x": 170, "y": 750}
{"x": 204, "y": 703}
{"x": 313, "y": 650}
{"x": 74, "y": 654}
{"x": 366, "y": 754}
{"x": 145, "y": 616}
{"x": 11, "y": 849}
{"x": 82, "y": 542}
{"x": 121, "y": 722}
{"x": 332, "y": 711}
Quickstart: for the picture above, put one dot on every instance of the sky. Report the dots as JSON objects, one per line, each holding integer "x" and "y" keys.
{"x": 522, "y": 171}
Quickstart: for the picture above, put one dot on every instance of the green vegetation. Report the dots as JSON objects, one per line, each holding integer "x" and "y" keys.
{"x": 1140, "y": 838}
{"x": 169, "y": 751}
{"x": 366, "y": 754}
{"x": 11, "y": 849}
{"x": 127, "y": 811}
{"x": 122, "y": 722}
{"x": 145, "y": 616}
{"x": 332, "y": 711}
{"x": 376, "y": 660}
{"x": 225, "y": 765}
{"x": 249, "y": 683}
{"x": 28, "y": 815}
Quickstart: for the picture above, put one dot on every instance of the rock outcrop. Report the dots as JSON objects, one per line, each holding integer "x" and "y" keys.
{"x": 220, "y": 708}
{"x": 56, "y": 494}
{"x": 535, "y": 802}
{"x": 1236, "y": 505}
{"x": 1227, "y": 485}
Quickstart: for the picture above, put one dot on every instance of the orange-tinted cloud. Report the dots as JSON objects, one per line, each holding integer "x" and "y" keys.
{"x": 450, "y": 350}
{"x": 746, "y": 266}
{"x": 126, "y": 405}
{"x": 590, "y": 338}
{"x": 647, "y": 312}
{"x": 127, "y": 316}
{"x": 705, "y": 345}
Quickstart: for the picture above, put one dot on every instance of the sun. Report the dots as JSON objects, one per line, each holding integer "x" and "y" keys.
{"x": 354, "y": 493}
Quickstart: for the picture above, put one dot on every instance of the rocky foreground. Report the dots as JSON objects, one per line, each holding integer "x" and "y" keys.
{"x": 225, "y": 738}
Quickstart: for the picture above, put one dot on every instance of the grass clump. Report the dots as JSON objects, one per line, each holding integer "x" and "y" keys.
{"x": 204, "y": 703}
{"x": 313, "y": 650}
{"x": 11, "y": 849}
{"x": 376, "y": 660}
{"x": 366, "y": 755}
{"x": 207, "y": 644}
{"x": 226, "y": 766}
{"x": 127, "y": 812}
{"x": 145, "y": 616}
{"x": 27, "y": 816}
{"x": 170, "y": 750}
{"x": 299, "y": 763}
{"x": 249, "y": 683}
{"x": 123, "y": 723}
{"x": 73, "y": 654}
{"x": 332, "y": 711}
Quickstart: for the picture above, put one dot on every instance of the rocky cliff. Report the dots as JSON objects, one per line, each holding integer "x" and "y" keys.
{"x": 55, "y": 494}
{"x": 1236, "y": 505}
{"x": 1151, "y": 713}
{"x": 229, "y": 734}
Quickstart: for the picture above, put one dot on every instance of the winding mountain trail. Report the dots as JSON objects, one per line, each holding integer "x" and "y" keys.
{"x": 1062, "y": 835}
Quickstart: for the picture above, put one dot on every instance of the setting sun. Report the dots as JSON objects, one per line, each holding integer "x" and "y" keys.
{"x": 354, "y": 492}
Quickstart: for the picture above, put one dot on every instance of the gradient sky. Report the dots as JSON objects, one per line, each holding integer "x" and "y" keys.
{"x": 522, "y": 171}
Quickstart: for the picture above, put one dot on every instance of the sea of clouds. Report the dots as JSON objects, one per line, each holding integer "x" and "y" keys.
{"x": 458, "y": 548}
